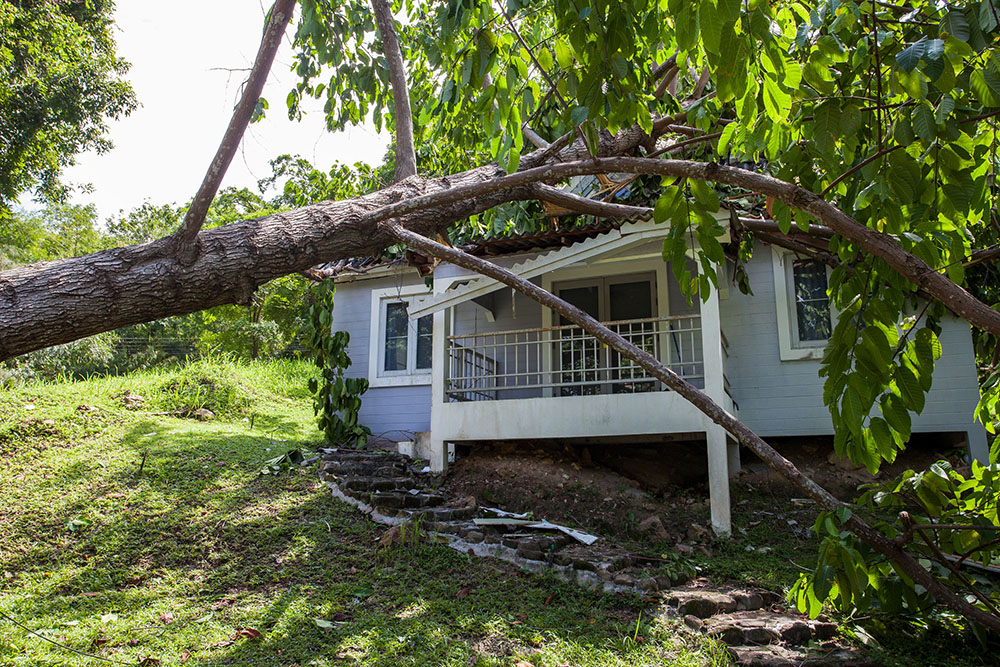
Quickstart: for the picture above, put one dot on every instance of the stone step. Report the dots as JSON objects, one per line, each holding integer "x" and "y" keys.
{"x": 367, "y": 469}
{"x": 377, "y": 483}
{"x": 703, "y": 604}
{"x": 401, "y": 500}
{"x": 794, "y": 656}
{"x": 757, "y": 628}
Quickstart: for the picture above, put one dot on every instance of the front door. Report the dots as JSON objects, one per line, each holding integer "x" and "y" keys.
{"x": 585, "y": 366}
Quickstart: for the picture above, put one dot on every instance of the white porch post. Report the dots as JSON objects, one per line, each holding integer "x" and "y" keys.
{"x": 439, "y": 365}
{"x": 716, "y": 438}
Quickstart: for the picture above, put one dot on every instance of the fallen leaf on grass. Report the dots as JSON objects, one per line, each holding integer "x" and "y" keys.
{"x": 107, "y": 618}
{"x": 100, "y": 641}
{"x": 463, "y": 592}
{"x": 149, "y": 662}
{"x": 185, "y": 656}
{"x": 549, "y": 599}
{"x": 116, "y": 495}
{"x": 249, "y": 633}
{"x": 166, "y": 618}
{"x": 523, "y": 663}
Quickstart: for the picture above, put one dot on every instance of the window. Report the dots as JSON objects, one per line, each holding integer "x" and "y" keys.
{"x": 812, "y": 306}
{"x": 400, "y": 350}
{"x": 803, "y": 307}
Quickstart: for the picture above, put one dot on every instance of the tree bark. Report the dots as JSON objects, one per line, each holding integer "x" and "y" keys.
{"x": 406, "y": 156}
{"x": 742, "y": 433}
{"x": 908, "y": 265}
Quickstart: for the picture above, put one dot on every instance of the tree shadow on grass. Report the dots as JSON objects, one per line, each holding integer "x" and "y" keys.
{"x": 192, "y": 552}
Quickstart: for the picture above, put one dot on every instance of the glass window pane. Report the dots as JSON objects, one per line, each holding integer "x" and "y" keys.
{"x": 586, "y": 299}
{"x": 812, "y": 307}
{"x": 425, "y": 334}
{"x": 395, "y": 336}
{"x": 630, "y": 301}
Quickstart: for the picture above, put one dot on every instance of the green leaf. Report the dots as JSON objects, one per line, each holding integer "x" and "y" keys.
{"x": 909, "y": 389}
{"x": 986, "y": 86}
{"x": 705, "y": 195}
{"x": 667, "y": 204}
{"x": 544, "y": 57}
{"x": 722, "y": 148}
{"x": 955, "y": 25}
{"x": 564, "y": 53}
{"x": 896, "y": 414}
{"x": 579, "y": 115}
{"x": 908, "y": 58}
{"x": 852, "y": 410}
{"x": 923, "y": 123}
{"x": 826, "y": 127}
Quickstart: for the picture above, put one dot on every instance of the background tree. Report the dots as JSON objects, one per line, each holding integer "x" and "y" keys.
{"x": 60, "y": 81}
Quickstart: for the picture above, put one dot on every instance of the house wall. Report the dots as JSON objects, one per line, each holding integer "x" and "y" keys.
{"x": 783, "y": 398}
{"x": 396, "y": 412}
{"x": 774, "y": 397}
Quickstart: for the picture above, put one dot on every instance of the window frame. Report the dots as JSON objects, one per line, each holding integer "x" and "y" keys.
{"x": 790, "y": 346}
{"x": 411, "y": 375}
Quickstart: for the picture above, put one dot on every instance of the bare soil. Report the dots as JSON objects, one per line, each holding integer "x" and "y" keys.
{"x": 611, "y": 490}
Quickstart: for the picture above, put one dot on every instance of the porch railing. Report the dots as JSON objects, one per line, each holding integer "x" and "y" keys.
{"x": 566, "y": 361}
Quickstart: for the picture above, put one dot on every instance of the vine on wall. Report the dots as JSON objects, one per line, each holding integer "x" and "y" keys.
{"x": 336, "y": 398}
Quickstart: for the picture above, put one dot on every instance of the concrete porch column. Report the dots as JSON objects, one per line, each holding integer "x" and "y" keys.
{"x": 439, "y": 365}
{"x": 717, "y": 441}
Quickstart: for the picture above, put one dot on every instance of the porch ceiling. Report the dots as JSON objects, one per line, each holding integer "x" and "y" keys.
{"x": 464, "y": 289}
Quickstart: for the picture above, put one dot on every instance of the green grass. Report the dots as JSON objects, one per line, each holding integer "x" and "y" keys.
{"x": 175, "y": 561}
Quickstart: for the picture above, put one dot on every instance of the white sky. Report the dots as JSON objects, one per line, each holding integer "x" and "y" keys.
{"x": 163, "y": 149}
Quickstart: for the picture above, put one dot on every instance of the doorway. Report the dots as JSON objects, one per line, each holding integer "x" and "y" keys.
{"x": 586, "y": 366}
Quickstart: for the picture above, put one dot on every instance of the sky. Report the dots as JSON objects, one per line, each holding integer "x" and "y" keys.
{"x": 182, "y": 54}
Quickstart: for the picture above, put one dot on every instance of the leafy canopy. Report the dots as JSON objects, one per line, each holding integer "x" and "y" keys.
{"x": 60, "y": 81}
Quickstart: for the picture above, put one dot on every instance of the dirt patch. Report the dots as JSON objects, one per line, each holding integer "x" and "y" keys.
{"x": 565, "y": 485}
{"x": 639, "y": 496}
{"x": 815, "y": 457}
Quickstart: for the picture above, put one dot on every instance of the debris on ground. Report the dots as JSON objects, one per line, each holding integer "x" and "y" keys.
{"x": 754, "y": 623}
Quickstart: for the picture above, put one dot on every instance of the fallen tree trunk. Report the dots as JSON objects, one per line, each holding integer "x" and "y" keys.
{"x": 740, "y": 431}
{"x": 56, "y": 302}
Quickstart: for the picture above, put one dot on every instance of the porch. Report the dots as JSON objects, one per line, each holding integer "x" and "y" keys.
{"x": 552, "y": 380}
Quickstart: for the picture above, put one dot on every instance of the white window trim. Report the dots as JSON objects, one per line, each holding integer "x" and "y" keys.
{"x": 790, "y": 348}
{"x": 376, "y": 341}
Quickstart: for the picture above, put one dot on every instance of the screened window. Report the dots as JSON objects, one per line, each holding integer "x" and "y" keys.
{"x": 812, "y": 307}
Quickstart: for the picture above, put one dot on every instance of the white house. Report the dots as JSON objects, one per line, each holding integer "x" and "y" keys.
{"x": 468, "y": 360}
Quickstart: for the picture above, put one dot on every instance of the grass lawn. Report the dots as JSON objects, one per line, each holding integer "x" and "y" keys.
{"x": 201, "y": 560}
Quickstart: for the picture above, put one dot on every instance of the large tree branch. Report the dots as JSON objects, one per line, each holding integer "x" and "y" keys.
{"x": 742, "y": 433}
{"x": 883, "y": 246}
{"x": 281, "y": 14}
{"x": 589, "y": 206}
{"x": 56, "y": 302}
{"x": 406, "y": 156}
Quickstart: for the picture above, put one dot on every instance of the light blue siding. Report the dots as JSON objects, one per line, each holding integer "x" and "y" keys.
{"x": 782, "y": 398}
{"x": 394, "y": 413}
{"x": 775, "y": 398}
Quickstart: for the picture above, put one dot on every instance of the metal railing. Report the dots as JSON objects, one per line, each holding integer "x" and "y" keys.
{"x": 567, "y": 361}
